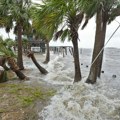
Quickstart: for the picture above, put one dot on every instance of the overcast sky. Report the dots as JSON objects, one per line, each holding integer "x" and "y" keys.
{"x": 87, "y": 35}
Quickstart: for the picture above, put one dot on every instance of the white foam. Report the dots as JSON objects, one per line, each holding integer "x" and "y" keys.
{"x": 57, "y": 74}
{"x": 81, "y": 102}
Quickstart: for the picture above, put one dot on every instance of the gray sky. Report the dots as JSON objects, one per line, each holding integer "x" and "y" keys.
{"x": 87, "y": 35}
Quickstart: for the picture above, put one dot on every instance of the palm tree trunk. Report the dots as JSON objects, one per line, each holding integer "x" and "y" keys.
{"x": 2, "y": 63}
{"x": 74, "y": 36}
{"x": 103, "y": 34}
{"x": 41, "y": 69}
{"x": 97, "y": 47}
{"x": 15, "y": 68}
{"x": 47, "y": 59}
{"x": 20, "y": 58}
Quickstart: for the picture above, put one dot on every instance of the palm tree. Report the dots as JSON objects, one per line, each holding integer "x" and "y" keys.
{"x": 9, "y": 56}
{"x": 17, "y": 11}
{"x": 68, "y": 15}
{"x": 104, "y": 14}
{"x": 41, "y": 31}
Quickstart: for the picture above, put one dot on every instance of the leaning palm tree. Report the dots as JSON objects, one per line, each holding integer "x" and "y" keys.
{"x": 7, "y": 55}
{"x": 41, "y": 69}
{"x": 66, "y": 17}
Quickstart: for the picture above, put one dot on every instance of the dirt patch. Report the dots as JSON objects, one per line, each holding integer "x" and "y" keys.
{"x": 21, "y": 101}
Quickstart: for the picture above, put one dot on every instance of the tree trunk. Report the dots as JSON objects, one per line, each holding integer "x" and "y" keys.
{"x": 3, "y": 76}
{"x": 47, "y": 59}
{"x": 76, "y": 62}
{"x": 74, "y": 35}
{"x": 3, "y": 63}
{"x": 20, "y": 58}
{"x": 41, "y": 69}
{"x": 97, "y": 47}
{"x": 103, "y": 34}
{"x": 15, "y": 68}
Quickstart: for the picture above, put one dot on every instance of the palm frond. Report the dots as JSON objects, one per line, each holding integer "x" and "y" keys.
{"x": 58, "y": 34}
{"x": 85, "y": 23}
{"x": 64, "y": 35}
{"x": 5, "y": 50}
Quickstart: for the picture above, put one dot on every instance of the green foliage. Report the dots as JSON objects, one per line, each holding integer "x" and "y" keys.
{"x": 63, "y": 34}
{"x": 24, "y": 95}
{"x": 114, "y": 12}
{"x": 90, "y": 7}
{"x": 53, "y": 15}
{"x": 5, "y": 48}
{"x": 41, "y": 21}
{"x": 25, "y": 42}
{"x": 14, "y": 11}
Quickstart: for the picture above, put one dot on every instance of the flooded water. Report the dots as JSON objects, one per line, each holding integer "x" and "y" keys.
{"x": 81, "y": 101}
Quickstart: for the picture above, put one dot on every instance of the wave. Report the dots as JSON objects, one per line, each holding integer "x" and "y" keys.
{"x": 81, "y": 101}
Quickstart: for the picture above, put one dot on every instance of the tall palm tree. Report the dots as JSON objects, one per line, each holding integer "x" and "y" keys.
{"x": 17, "y": 11}
{"x": 104, "y": 14}
{"x": 66, "y": 16}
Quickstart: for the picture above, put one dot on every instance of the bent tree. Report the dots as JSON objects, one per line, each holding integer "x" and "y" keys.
{"x": 41, "y": 69}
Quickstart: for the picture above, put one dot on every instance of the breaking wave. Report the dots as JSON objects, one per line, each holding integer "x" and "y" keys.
{"x": 81, "y": 101}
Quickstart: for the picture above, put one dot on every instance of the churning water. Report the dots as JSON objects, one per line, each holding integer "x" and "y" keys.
{"x": 81, "y": 101}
